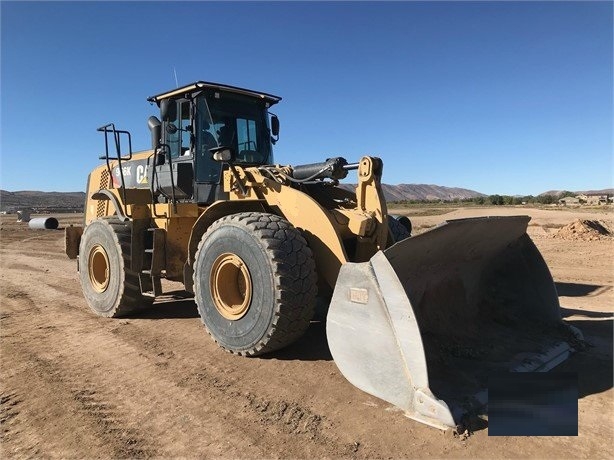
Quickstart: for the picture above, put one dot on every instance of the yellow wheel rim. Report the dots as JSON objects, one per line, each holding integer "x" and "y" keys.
{"x": 98, "y": 267}
{"x": 231, "y": 286}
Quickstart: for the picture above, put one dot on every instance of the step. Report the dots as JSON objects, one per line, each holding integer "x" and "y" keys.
{"x": 151, "y": 286}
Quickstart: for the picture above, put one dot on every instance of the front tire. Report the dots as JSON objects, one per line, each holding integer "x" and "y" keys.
{"x": 254, "y": 282}
{"x": 400, "y": 227}
{"x": 110, "y": 288}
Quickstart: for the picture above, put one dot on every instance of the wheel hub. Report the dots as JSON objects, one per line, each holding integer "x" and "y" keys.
{"x": 231, "y": 286}
{"x": 98, "y": 268}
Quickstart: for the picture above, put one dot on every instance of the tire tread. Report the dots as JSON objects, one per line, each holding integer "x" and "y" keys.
{"x": 294, "y": 274}
{"x": 129, "y": 299}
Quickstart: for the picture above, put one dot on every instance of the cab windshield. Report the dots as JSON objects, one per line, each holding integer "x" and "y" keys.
{"x": 231, "y": 120}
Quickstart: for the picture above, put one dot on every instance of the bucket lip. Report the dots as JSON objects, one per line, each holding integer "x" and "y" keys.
{"x": 519, "y": 217}
{"x": 479, "y": 231}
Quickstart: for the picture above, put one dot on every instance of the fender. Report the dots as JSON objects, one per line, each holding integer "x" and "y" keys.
{"x": 316, "y": 223}
{"x": 108, "y": 195}
{"x": 214, "y": 212}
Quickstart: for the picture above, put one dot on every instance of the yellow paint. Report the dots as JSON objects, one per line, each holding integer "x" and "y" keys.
{"x": 324, "y": 229}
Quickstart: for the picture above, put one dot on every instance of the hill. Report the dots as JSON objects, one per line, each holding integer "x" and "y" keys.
{"x": 422, "y": 192}
{"x": 74, "y": 201}
{"x": 605, "y": 191}
{"x": 41, "y": 201}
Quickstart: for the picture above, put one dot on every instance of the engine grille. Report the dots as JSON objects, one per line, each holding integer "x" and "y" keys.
{"x": 101, "y": 209}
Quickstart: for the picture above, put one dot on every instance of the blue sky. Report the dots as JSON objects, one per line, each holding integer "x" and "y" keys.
{"x": 508, "y": 98}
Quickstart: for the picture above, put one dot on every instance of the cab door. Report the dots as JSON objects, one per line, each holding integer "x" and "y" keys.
{"x": 177, "y": 135}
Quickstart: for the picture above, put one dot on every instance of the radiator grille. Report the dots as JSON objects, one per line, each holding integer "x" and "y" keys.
{"x": 101, "y": 209}
{"x": 104, "y": 179}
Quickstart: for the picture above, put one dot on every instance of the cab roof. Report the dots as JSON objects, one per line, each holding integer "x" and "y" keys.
{"x": 215, "y": 86}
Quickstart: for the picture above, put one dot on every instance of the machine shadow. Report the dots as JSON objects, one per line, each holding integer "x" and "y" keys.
{"x": 312, "y": 346}
{"x": 566, "y": 312}
{"x": 174, "y": 304}
{"x": 593, "y": 364}
{"x": 579, "y": 290}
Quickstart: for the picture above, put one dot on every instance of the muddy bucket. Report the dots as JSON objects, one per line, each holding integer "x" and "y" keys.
{"x": 424, "y": 323}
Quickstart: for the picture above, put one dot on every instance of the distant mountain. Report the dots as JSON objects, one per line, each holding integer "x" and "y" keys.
{"x": 28, "y": 199}
{"x": 605, "y": 191}
{"x": 12, "y": 201}
{"x": 74, "y": 201}
{"x": 422, "y": 192}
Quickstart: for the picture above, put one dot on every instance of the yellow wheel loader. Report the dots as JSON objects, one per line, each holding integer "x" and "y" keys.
{"x": 418, "y": 321}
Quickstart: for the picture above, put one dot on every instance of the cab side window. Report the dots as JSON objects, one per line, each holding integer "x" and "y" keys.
{"x": 178, "y": 130}
{"x": 246, "y": 130}
{"x": 171, "y": 136}
{"x": 207, "y": 169}
{"x": 185, "y": 127}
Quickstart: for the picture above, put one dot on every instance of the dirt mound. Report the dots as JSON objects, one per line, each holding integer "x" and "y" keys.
{"x": 586, "y": 230}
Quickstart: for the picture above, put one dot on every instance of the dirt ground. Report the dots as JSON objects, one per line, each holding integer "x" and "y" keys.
{"x": 155, "y": 385}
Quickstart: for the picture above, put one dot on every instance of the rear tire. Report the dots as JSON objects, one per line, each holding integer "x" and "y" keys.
{"x": 110, "y": 288}
{"x": 254, "y": 283}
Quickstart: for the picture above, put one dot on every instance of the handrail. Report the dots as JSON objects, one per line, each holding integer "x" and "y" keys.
{"x": 117, "y": 139}
{"x": 154, "y": 178}
{"x": 170, "y": 167}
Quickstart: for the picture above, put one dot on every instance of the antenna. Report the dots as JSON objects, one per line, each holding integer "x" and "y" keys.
{"x": 175, "y": 72}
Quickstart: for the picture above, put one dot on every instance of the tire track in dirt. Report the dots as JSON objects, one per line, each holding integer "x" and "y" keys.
{"x": 154, "y": 402}
{"x": 9, "y": 402}
{"x": 290, "y": 417}
{"x": 12, "y": 425}
{"x": 34, "y": 266}
{"x": 45, "y": 290}
{"x": 188, "y": 357}
{"x": 17, "y": 299}
{"x": 279, "y": 415}
{"x": 104, "y": 359}
{"x": 35, "y": 326}
{"x": 217, "y": 403}
{"x": 71, "y": 401}
{"x": 39, "y": 245}
{"x": 31, "y": 303}
{"x": 154, "y": 384}
{"x": 108, "y": 418}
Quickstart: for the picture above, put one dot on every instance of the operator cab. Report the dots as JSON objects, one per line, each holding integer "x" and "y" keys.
{"x": 203, "y": 116}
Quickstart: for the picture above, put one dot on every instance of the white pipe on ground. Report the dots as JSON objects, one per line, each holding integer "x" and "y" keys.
{"x": 43, "y": 223}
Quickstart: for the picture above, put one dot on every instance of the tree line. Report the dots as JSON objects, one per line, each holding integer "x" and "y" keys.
{"x": 497, "y": 200}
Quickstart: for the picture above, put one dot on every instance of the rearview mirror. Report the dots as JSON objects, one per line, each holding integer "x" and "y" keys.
{"x": 274, "y": 125}
{"x": 156, "y": 131}
{"x": 223, "y": 154}
{"x": 168, "y": 109}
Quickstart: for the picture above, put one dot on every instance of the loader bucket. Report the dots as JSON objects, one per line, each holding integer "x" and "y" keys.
{"x": 424, "y": 323}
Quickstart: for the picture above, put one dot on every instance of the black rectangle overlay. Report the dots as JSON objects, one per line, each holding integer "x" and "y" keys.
{"x": 533, "y": 404}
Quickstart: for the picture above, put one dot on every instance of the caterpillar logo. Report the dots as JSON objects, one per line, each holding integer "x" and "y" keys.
{"x": 131, "y": 180}
{"x": 141, "y": 174}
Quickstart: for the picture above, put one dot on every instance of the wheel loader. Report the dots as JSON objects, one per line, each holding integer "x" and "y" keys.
{"x": 418, "y": 321}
